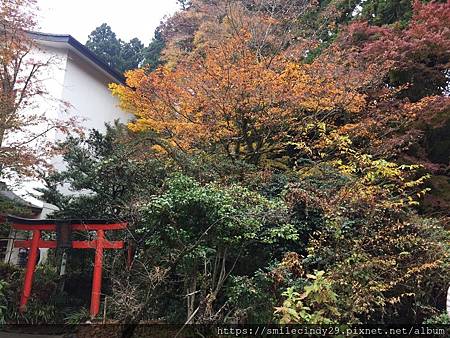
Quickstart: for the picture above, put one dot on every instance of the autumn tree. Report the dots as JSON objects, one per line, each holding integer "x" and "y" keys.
{"x": 418, "y": 54}
{"x": 270, "y": 22}
{"x": 410, "y": 99}
{"x": 399, "y": 69}
{"x": 233, "y": 101}
{"x": 22, "y": 126}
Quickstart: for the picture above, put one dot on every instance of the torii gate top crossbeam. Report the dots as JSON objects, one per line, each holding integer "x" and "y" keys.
{"x": 20, "y": 223}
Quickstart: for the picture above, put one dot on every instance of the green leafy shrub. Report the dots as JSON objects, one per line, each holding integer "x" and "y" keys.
{"x": 316, "y": 304}
{"x": 200, "y": 236}
{"x": 3, "y": 301}
{"x": 42, "y": 307}
{"x": 439, "y": 319}
{"x": 77, "y": 316}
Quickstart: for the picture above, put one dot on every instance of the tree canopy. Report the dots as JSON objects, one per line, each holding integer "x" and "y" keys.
{"x": 117, "y": 53}
{"x": 24, "y": 148}
{"x": 122, "y": 55}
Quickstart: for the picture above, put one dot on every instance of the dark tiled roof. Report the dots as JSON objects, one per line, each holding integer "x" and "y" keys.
{"x": 64, "y": 38}
{"x": 17, "y": 199}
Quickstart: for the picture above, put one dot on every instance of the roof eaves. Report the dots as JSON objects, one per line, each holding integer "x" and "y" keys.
{"x": 65, "y": 38}
{"x": 18, "y": 199}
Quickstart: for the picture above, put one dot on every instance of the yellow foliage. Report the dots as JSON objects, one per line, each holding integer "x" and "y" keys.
{"x": 231, "y": 97}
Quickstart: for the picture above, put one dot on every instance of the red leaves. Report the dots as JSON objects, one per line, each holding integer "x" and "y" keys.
{"x": 418, "y": 55}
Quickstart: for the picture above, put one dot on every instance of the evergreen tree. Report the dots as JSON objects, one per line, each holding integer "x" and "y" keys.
{"x": 152, "y": 53}
{"x": 184, "y": 4}
{"x": 118, "y": 54}
{"x": 103, "y": 42}
{"x": 106, "y": 166}
{"x": 382, "y": 12}
{"x": 131, "y": 54}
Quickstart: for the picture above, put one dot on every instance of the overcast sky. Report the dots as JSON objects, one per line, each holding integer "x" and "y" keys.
{"x": 128, "y": 19}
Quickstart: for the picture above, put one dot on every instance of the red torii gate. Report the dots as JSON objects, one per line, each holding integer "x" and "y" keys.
{"x": 64, "y": 229}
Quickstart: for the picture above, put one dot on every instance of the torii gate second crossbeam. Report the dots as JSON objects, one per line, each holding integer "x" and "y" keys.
{"x": 64, "y": 229}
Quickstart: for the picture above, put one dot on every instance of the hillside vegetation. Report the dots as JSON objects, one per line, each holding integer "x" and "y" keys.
{"x": 288, "y": 163}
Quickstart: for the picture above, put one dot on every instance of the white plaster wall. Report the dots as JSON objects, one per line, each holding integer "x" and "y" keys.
{"x": 86, "y": 89}
{"x": 91, "y": 102}
{"x": 51, "y": 78}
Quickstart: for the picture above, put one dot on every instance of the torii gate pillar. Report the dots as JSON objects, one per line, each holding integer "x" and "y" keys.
{"x": 99, "y": 244}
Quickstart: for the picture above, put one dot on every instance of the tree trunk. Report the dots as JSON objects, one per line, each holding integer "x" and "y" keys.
{"x": 190, "y": 292}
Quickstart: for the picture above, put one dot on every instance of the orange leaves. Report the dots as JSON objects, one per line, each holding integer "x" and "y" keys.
{"x": 233, "y": 98}
{"x": 318, "y": 89}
